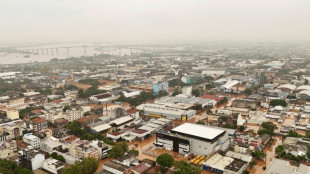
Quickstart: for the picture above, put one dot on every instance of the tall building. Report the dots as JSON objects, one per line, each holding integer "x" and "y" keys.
{"x": 161, "y": 86}
{"x": 12, "y": 114}
{"x": 260, "y": 77}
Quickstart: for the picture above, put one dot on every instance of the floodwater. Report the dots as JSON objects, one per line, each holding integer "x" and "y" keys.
{"x": 270, "y": 155}
{"x": 61, "y": 51}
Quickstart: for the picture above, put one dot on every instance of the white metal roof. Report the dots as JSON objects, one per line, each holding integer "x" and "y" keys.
{"x": 243, "y": 157}
{"x": 164, "y": 120}
{"x": 101, "y": 127}
{"x": 146, "y": 128}
{"x": 303, "y": 87}
{"x": 230, "y": 84}
{"x": 122, "y": 120}
{"x": 288, "y": 86}
{"x": 198, "y": 130}
{"x": 305, "y": 92}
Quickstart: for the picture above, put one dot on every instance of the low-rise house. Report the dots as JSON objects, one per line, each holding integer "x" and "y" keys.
{"x": 53, "y": 166}
{"x": 115, "y": 168}
{"x": 250, "y": 139}
{"x": 141, "y": 168}
{"x": 296, "y": 146}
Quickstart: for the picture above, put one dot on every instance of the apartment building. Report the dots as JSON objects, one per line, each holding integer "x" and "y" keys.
{"x": 32, "y": 140}
{"x": 38, "y": 124}
{"x": 7, "y": 148}
{"x": 83, "y": 149}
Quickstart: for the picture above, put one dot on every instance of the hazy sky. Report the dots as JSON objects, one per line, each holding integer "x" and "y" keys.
{"x": 154, "y": 20}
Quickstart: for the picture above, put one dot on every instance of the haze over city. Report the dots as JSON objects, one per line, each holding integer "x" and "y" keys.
{"x": 34, "y": 21}
{"x": 155, "y": 87}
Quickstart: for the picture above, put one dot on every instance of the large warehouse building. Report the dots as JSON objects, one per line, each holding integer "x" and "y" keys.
{"x": 193, "y": 138}
{"x": 163, "y": 111}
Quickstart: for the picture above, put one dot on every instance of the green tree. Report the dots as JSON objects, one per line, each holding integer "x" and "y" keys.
{"x": 175, "y": 92}
{"x": 246, "y": 172}
{"x": 81, "y": 93}
{"x": 278, "y": 102}
{"x": 248, "y": 91}
{"x": 72, "y": 87}
{"x": 259, "y": 154}
{"x": 200, "y": 122}
{"x": 252, "y": 163}
{"x": 306, "y": 82}
{"x": 196, "y": 92}
{"x": 86, "y": 166}
{"x": 267, "y": 128}
{"x": 222, "y": 119}
{"x": 241, "y": 128}
{"x": 183, "y": 167}
{"x": 292, "y": 133}
{"x": 164, "y": 161}
{"x": 118, "y": 150}
{"x": 280, "y": 150}
{"x": 198, "y": 107}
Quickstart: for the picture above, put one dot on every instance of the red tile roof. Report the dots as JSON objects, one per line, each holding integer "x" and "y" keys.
{"x": 82, "y": 120}
{"x": 130, "y": 111}
{"x": 138, "y": 131}
{"x": 209, "y": 96}
{"x": 71, "y": 139}
{"x": 38, "y": 120}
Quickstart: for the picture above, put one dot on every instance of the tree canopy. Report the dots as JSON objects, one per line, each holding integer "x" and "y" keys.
{"x": 118, "y": 150}
{"x": 183, "y": 167}
{"x": 165, "y": 160}
{"x": 259, "y": 154}
{"x": 280, "y": 150}
{"x": 86, "y": 166}
{"x": 278, "y": 102}
{"x": 58, "y": 157}
{"x": 267, "y": 128}
{"x": 248, "y": 91}
{"x": 10, "y": 167}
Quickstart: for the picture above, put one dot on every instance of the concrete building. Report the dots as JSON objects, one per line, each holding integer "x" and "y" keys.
{"x": 252, "y": 101}
{"x": 73, "y": 114}
{"x": 12, "y": 114}
{"x": 83, "y": 149}
{"x": 194, "y": 138}
{"x": 102, "y": 148}
{"x": 280, "y": 166}
{"x": 162, "y": 111}
{"x": 53, "y": 166}
{"x": 30, "y": 159}
{"x": 224, "y": 165}
{"x": 7, "y": 148}
{"x": 115, "y": 168}
{"x": 122, "y": 122}
{"x": 187, "y": 90}
{"x": 161, "y": 86}
{"x": 32, "y": 140}
{"x": 38, "y": 124}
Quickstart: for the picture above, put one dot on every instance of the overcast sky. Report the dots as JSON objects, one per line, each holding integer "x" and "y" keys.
{"x": 154, "y": 20}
